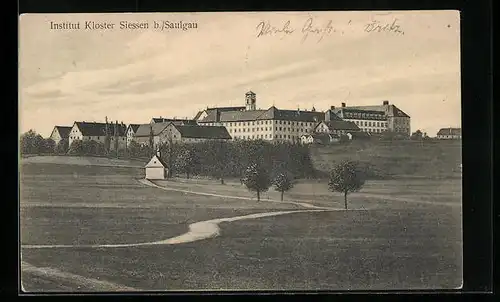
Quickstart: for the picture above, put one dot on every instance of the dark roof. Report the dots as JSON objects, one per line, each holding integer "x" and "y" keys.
{"x": 99, "y": 129}
{"x": 324, "y": 138}
{"x": 223, "y": 109}
{"x": 390, "y": 110}
{"x": 341, "y": 125}
{"x": 209, "y": 132}
{"x": 360, "y": 134}
{"x": 63, "y": 131}
{"x": 145, "y": 129}
{"x": 175, "y": 121}
{"x": 273, "y": 113}
{"x": 134, "y": 127}
{"x": 450, "y": 131}
{"x": 356, "y": 113}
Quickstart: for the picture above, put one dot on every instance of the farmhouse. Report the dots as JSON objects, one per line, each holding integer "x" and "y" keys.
{"x": 376, "y": 118}
{"x": 170, "y": 131}
{"x": 59, "y": 133}
{"x": 192, "y": 134}
{"x": 249, "y": 123}
{"x": 449, "y": 133}
{"x": 320, "y": 138}
{"x": 335, "y": 127}
{"x": 156, "y": 168}
{"x": 92, "y": 131}
{"x": 131, "y": 131}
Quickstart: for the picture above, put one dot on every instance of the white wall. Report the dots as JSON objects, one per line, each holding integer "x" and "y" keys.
{"x": 155, "y": 173}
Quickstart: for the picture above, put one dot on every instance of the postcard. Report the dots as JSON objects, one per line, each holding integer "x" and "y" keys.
{"x": 240, "y": 151}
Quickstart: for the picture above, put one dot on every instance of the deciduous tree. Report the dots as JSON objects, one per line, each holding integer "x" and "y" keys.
{"x": 186, "y": 162}
{"x": 283, "y": 182}
{"x": 256, "y": 179}
{"x": 346, "y": 177}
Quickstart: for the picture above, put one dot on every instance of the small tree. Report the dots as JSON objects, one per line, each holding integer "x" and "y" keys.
{"x": 116, "y": 138}
{"x": 49, "y": 145}
{"x": 31, "y": 143}
{"x": 134, "y": 149}
{"x": 256, "y": 179}
{"x": 151, "y": 140}
{"x": 186, "y": 162}
{"x": 62, "y": 146}
{"x": 76, "y": 147}
{"x": 107, "y": 137}
{"x": 417, "y": 135}
{"x": 346, "y": 177}
{"x": 283, "y": 182}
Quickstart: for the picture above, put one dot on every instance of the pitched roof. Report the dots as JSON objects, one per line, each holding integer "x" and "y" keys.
{"x": 63, "y": 131}
{"x": 341, "y": 125}
{"x": 145, "y": 129}
{"x": 360, "y": 134}
{"x": 324, "y": 138}
{"x": 209, "y": 132}
{"x": 450, "y": 131}
{"x": 174, "y": 120}
{"x": 134, "y": 127}
{"x": 356, "y": 113}
{"x": 292, "y": 115}
{"x": 99, "y": 129}
{"x": 390, "y": 110}
{"x": 273, "y": 113}
{"x": 155, "y": 161}
{"x": 233, "y": 108}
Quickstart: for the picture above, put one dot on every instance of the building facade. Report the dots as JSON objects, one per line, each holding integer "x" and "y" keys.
{"x": 92, "y": 131}
{"x": 174, "y": 132}
{"x": 131, "y": 131}
{"x": 59, "y": 133}
{"x": 449, "y": 133}
{"x": 320, "y": 138}
{"x": 250, "y": 123}
{"x": 376, "y": 118}
{"x": 338, "y": 127}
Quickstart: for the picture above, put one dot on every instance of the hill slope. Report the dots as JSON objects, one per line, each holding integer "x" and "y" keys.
{"x": 399, "y": 158}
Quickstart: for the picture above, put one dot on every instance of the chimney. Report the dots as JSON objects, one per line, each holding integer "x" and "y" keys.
{"x": 343, "y": 105}
{"x": 385, "y": 102}
{"x": 332, "y": 107}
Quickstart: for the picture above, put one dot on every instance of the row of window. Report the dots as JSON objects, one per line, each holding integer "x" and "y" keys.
{"x": 90, "y": 137}
{"x": 373, "y": 130}
{"x": 265, "y": 136}
{"x": 267, "y": 129}
{"x": 266, "y": 122}
{"x": 371, "y": 124}
{"x": 363, "y": 115}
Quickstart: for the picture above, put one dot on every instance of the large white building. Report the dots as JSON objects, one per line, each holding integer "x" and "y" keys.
{"x": 249, "y": 123}
{"x": 376, "y": 118}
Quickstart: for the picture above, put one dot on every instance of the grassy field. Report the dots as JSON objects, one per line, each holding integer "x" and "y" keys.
{"x": 329, "y": 251}
{"x": 428, "y": 159}
{"x": 393, "y": 245}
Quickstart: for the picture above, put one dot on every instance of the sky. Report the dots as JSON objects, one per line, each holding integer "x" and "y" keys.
{"x": 132, "y": 75}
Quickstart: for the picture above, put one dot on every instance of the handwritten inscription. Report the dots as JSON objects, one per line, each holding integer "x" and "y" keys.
{"x": 314, "y": 29}
{"x": 317, "y": 30}
{"x": 377, "y": 26}
{"x": 265, "y": 28}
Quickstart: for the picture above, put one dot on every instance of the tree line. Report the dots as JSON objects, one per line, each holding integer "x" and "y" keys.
{"x": 346, "y": 177}
{"x": 221, "y": 159}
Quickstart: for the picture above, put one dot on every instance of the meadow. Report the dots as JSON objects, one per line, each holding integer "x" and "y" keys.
{"x": 395, "y": 237}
